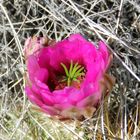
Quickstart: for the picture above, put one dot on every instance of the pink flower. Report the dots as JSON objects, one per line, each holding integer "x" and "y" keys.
{"x": 46, "y": 74}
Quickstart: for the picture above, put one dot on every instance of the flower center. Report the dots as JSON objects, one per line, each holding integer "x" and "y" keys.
{"x": 72, "y": 76}
{"x": 75, "y": 72}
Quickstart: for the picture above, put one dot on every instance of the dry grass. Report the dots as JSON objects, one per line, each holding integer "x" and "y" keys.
{"x": 115, "y": 21}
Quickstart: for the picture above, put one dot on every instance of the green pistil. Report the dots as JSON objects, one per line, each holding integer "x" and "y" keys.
{"x": 73, "y": 73}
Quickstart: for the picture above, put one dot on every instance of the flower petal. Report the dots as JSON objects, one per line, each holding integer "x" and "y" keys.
{"x": 41, "y": 74}
{"x": 88, "y": 101}
{"x": 34, "y": 99}
{"x": 75, "y": 37}
{"x": 32, "y": 65}
{"x": 47, "y": 98}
